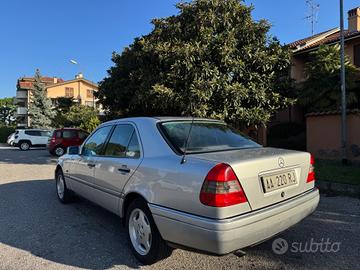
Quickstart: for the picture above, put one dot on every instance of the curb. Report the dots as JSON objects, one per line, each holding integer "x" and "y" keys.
{"x": 332, "y": 188}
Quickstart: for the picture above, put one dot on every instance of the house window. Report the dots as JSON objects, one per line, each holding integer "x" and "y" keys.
{"x": 357, "y": 55}
{"x": 89, "y": 103}
{"x": 69, "y": 92}
{"x": 89, "y": 93}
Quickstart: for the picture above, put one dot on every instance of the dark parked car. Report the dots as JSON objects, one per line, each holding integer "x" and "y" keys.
{"x": 65, "y": 137}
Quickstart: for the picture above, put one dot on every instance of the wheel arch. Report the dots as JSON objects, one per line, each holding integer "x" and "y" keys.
{"x": 58, "y": 168}
{"x": 130, "y": 197}
{"x": 24, "y": 140}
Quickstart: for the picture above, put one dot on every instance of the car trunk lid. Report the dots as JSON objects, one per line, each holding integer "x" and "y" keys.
{"x": 267, "y": 175}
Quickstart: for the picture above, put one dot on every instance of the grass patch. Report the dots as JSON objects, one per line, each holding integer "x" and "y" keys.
{"x": 336, "y": 172}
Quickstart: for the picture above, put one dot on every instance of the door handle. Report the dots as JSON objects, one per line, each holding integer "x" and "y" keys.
{"x": 91, "y": 165}
{"x": 124, "y": 169}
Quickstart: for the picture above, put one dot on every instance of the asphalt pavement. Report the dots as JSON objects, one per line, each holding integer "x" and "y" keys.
{"x": 38, "y": 232}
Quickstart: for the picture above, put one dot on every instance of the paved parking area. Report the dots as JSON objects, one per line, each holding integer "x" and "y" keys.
{"x": 37, "y": 232}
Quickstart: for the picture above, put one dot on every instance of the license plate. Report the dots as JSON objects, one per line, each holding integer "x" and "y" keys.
{"x": 278, "y": 181}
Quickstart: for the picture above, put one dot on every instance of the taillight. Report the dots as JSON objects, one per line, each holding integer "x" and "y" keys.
{"x": 221, "y": 187}
{"x": 311, "y": 174}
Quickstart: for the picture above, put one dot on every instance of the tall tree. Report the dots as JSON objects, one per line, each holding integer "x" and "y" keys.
{"x": 7, "y": 110}
{"x": 40, "y": 108}
{"x": 210, "y": 60}
{"x": 321, "y": 90}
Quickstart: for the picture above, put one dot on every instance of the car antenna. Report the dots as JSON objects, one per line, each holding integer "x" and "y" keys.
{"x": 183, "y": 160}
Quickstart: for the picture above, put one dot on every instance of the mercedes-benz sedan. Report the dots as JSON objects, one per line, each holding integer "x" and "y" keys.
{"x": 191, "y": 183}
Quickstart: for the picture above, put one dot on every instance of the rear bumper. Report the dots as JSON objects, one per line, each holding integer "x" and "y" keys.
{"x": 227, "y": 235}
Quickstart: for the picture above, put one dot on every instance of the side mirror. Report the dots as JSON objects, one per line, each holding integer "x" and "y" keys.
{"x": 73, "y": 150}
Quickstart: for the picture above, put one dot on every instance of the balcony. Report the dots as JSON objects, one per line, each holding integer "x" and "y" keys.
{"x": 21, "y": 111}
{"x": 21, "y": 94}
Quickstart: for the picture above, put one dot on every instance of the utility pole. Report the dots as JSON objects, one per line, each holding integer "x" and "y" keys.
{"x": 343, "y": 87}
{"x": 312, "y": 16}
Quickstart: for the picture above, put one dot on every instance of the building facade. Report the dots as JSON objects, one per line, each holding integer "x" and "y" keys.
{"x": 302, "y": 48}
{"x": 79, "y": 89}
{"x": 327, "y": 123}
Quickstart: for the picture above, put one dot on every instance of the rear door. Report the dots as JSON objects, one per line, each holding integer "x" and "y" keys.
{"x": 82, "y": 170}
{"x": 119, "y": 161}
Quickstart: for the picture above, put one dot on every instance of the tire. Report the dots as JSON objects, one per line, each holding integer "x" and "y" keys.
{"x": 59, "y": 151}
{"x": 24, "y": 145}
{"x": 63, "y": 193}
{"x": 144, "y": 238}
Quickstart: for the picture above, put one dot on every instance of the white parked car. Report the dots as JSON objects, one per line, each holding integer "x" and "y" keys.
{"x": 27, "y": 138}
{"x": 10, "y": 139}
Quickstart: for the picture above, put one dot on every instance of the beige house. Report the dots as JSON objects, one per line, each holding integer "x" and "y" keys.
{"x": 80, "y": 89}
{"x": 303, "y": 47}
{"x": 323, "y": 128}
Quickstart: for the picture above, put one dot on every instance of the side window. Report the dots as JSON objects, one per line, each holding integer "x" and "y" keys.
{"x": 33, "y": 132}
{"x": 69, "y": 134}
{"x": 83, "y": 135}
{"x": 119, "y": 141}
{"x": 45, "y": 133}
{"x": 95, "y": 143}
{"x": 133, "y": 150}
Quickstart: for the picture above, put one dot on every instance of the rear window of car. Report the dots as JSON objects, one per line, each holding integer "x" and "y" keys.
{"x": 83, "y": 135}
{"x": 69, "y": 134}
{"x": 204, "y": 136}
{"x": 57, "y": 134}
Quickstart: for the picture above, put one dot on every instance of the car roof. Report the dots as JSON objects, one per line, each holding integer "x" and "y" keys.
{"x": 158, "y": 119}
{"x": 68, "y": 128}
{"x": 32, "y": 129}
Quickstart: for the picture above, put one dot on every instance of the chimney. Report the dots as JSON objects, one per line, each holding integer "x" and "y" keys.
{"x": 354, "y": 19}
{"x": 79, "y": 76}
{"x": 55, "y": 80}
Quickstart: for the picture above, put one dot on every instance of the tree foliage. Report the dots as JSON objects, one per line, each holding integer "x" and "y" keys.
{"x": 79, "y": 116}
{"x": 210, "y": 60}
{"x": 321, "y": 90}
{"x": 62, "y": 108}
{"x": 40, "y": 108}
{"x": 7, "y": 111}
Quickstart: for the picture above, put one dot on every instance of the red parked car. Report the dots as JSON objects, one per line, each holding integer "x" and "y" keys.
{"x": 65, "y": 137}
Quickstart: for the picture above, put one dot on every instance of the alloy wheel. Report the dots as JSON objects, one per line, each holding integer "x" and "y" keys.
{"x": 140, "y": 231}
{"x": 60, "y": 186}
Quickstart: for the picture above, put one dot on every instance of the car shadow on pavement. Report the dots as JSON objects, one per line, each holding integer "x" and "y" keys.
{"x": 79, "y": 234}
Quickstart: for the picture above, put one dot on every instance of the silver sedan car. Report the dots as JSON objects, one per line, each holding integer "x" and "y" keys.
{"x": 190, "y": 183}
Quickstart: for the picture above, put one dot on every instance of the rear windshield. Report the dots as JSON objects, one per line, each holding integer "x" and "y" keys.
{"x": 205, "y": 136}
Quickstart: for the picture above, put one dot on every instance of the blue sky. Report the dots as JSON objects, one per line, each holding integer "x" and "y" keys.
{"x": 47, "y": 34}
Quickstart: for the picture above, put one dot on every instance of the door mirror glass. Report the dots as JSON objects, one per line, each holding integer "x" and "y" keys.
{"x": 73, "y": 150}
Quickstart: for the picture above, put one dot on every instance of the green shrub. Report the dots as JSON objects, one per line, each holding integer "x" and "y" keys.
{"x": 5, "y": 132}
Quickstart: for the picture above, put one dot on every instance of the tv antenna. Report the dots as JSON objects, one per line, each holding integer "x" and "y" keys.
{"x": 312, "y": 15}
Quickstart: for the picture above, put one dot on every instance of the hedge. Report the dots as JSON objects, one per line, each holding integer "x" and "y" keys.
{"x": 5, "y": 132}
